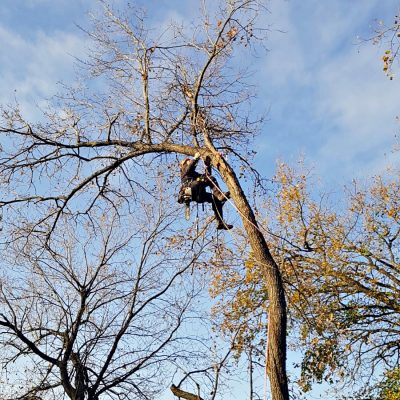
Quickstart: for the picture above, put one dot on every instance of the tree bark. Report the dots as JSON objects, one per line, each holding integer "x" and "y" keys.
{"x": 184, "y": 395}
{"x": 277, "y": 319}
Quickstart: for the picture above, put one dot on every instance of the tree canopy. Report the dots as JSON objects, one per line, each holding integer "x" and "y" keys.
{"x": 98, "y": 160}
{"x": 105, "y": 289}
{"x": 340, "y": 266}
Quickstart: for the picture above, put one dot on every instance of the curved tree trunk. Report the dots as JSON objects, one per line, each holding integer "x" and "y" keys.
{"x": 276, "y": 348}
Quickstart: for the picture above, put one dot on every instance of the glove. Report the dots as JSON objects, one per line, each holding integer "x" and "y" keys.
{"x": 197, "y": 156}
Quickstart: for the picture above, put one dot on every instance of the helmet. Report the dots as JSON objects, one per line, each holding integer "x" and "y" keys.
{"x": 184, "y": 161}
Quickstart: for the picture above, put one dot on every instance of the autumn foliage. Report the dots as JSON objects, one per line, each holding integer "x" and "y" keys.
{"x": 340, "y": 262}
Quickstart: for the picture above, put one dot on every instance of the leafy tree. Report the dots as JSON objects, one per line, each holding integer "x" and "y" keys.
{"x": 390, "y": 387}
{"x": 344, "y": 270}
{"x": 147, "y": 97}
{"x": 341, "y": 271}
{"x": 388, "y": 35}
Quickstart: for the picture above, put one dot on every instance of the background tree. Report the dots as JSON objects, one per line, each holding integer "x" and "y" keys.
{"x": 390, "y": 387}
{"x": 109, "y": 315}
{"x": 341, "y": 271}
{"x": 148, "y": 96}
{"x": 344, "y": 269}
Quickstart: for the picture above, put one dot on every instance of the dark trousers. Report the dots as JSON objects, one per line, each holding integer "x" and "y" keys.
{"x": 200, "y": 195}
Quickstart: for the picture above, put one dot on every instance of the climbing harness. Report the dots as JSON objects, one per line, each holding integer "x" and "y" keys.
{"x": 194, "y": 189}
{"x": 185, "y": 196}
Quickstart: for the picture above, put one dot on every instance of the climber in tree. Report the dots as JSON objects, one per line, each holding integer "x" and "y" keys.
{"x": 197, "y": 184}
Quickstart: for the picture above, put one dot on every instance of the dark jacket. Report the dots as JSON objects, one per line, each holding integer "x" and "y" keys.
{"x": 189, "y": 173}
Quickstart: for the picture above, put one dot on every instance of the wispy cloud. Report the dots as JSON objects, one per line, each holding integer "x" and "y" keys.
{"x": 32, "y": 66}
{"x": 360, "y": 104}
{"x": 329, "y": 97}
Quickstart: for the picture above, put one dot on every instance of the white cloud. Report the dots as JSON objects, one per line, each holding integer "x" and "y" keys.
{"x": 285, "y": 60}
{"x": 35, "y": 3}
{"x": 359, "y": 104}
{"x": 32, "y": 66}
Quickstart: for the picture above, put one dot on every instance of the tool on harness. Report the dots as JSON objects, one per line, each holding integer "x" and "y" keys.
{"x": 185, "y": 197}
{"x": 187, "y": 211}
{"x": 187, "y": 194}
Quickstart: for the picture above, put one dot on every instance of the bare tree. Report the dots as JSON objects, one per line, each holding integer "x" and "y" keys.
{"x": 104, "y": 316}
{"x": 148, "y": 97}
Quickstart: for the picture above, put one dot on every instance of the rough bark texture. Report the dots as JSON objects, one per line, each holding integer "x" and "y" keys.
{"x": 277, "y": 317}
{"x": 276, "y": 350}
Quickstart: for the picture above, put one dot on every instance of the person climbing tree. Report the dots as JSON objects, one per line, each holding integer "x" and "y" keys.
{"x": 194, "y": 187}
{"x": 106, "y": 142}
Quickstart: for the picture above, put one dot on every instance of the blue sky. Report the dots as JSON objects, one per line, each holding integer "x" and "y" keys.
{"x": 326, "y": 94}
{"x": 329, "y": 98}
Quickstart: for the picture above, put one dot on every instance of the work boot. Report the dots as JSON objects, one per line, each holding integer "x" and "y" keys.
{"x": 223, "y": 196}
{"x": 223, "y": 226}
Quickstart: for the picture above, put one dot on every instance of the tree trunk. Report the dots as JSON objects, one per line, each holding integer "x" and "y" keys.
{"x": 276, "y": 348}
